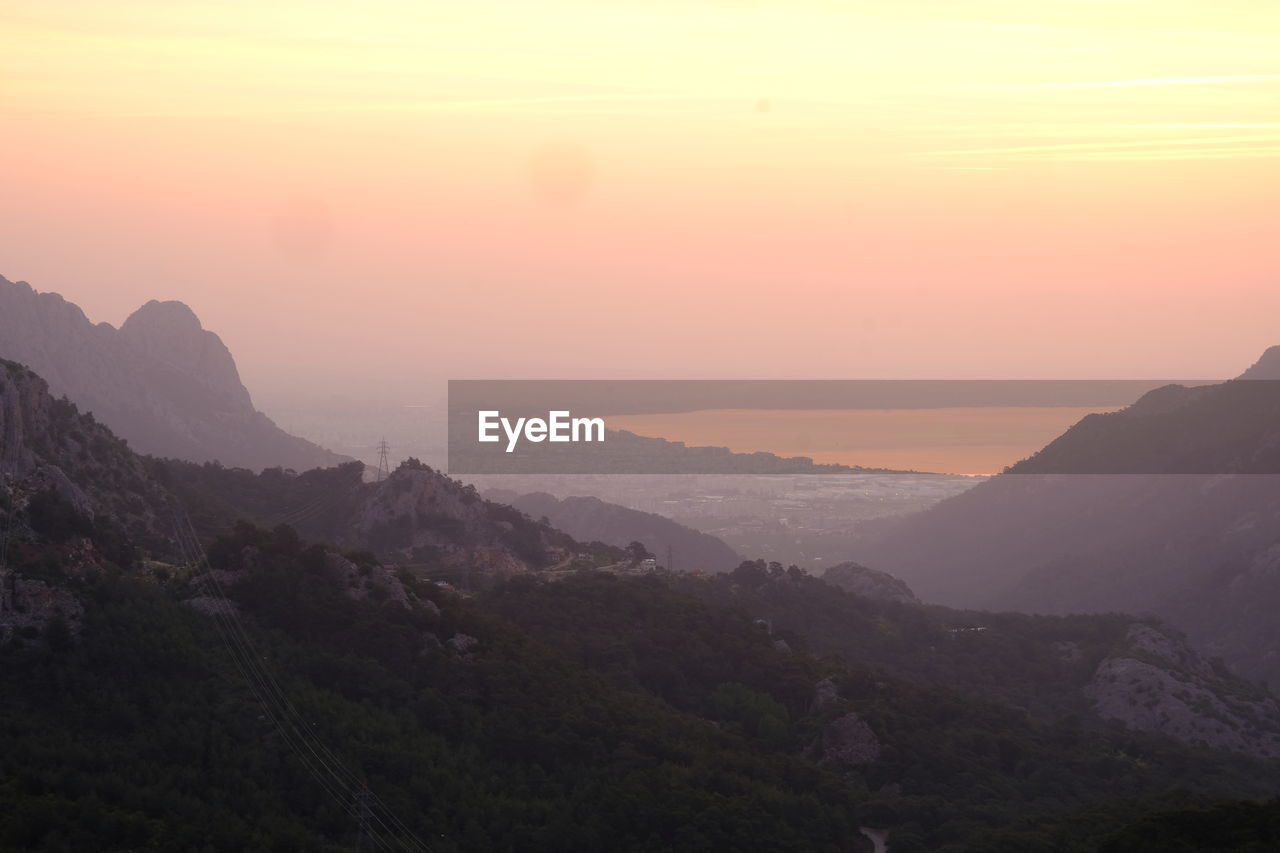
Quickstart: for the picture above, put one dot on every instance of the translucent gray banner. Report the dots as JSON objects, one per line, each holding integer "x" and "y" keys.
{"x": 843, "y": 426}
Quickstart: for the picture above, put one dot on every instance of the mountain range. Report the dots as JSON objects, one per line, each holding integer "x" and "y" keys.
{"x": 161, "y": 381}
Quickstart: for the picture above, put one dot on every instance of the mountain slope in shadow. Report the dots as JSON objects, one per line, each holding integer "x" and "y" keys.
{"x": 1170, "y": 506}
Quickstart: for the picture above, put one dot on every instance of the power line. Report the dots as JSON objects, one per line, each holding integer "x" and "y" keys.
{"x": 364, "y": 838}
{"x": 379, "y": 827}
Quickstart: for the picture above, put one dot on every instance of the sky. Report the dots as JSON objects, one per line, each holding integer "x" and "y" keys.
{"x": 364, "y": 198}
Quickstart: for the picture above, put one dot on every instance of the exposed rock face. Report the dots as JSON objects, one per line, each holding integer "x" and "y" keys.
{"x": 1168, "y": 650}
{"x": 361, "y": 583}
{"x": 418, "y": 515}
{"x": 462, "y": 644}
{"x": 28, "y": 605}
{"x": 869, "y": 583}
{"x": 825, "y": 693}
{"x": 51, "y": 477}
{"x": 161, "y": 381}
{"x": 169, "y": 333}
{"x": 848, "y": 741}
{"x": 45, "y": 444}
{"x": 1155, "y": 683}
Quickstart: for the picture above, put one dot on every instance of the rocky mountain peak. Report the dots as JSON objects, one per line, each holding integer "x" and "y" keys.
{"x": 161, "y": 381}
{"x": 170, "y": 315}
{"x": 170, "y": 333}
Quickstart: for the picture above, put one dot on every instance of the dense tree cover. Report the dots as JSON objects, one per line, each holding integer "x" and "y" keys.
{"x": 598, "y": 712}
{"x": 324, "y": 503}
{"x": 954, "y": 770}
{"x": 1244, "y": 827}
{"x": 215, "y": 496}
{"x": 143, "y": 736}
{"x": 1034, "y": 662}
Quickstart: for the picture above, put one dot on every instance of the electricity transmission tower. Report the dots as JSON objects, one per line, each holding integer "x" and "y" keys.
{"x": 384, "y": 466}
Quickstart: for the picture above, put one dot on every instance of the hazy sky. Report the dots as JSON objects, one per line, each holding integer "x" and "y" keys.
{"x": 377, "y": 192}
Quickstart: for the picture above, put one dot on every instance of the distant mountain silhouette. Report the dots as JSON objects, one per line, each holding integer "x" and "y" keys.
{"x": 625, "y": 452}
{"x": 1229, "y": 428}
{"x": 1267, "y": 367}
{"x": 1170, "y": 506}
{"x": 591, "y": 519}
{"x": 160, "y": 381}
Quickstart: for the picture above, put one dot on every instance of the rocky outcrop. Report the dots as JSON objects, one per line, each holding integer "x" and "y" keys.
{"x": 1155, "y": 683}
{"x": 28, "y": 607}
{"x": 361, "y": 582}
{"x": 462, "y": 645}
{"x": 421, "y": 516}
{"x": 161, "y": 381}
{"x": 825, "y": 693}
{"x": 860, "y": 580}
{"x": 848, "y": 741}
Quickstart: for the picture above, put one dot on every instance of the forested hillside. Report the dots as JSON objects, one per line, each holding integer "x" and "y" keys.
{"x": 156, "y": 699}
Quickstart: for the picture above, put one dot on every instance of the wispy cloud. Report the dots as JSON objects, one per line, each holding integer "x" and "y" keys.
{"x": 1264, "y": 142}
{"x": 1210, "y": 80}
{"x": 1199, "y": 141}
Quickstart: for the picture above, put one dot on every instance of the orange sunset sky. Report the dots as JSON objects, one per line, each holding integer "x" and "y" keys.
{"x": 362, "y": 196}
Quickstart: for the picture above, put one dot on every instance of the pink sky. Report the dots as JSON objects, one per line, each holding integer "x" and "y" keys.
{"x": 367, "y": 196}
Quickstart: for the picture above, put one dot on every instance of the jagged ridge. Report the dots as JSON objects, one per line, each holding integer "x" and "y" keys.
{"x": 161, "y": 381}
